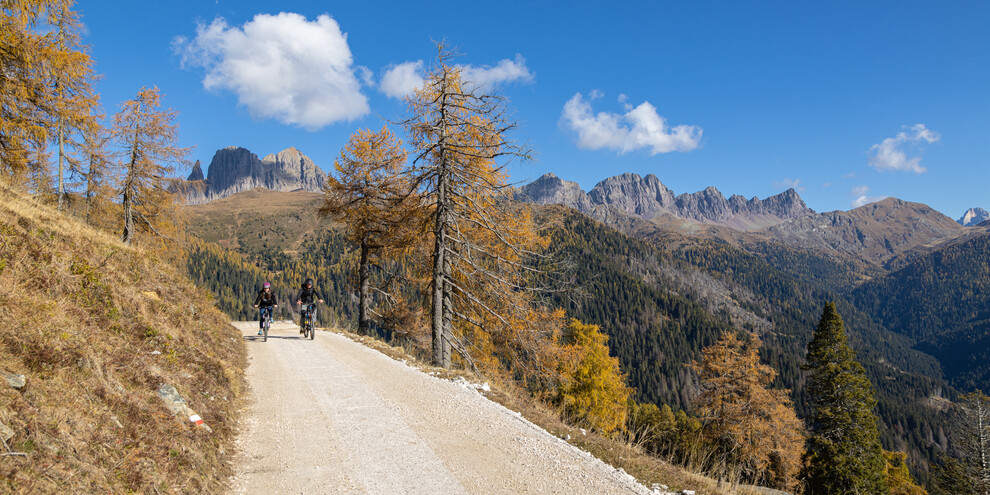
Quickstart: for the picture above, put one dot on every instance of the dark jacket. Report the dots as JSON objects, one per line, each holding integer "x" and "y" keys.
{"x": 266, "y": 300}
{"x": 308, "y": 295}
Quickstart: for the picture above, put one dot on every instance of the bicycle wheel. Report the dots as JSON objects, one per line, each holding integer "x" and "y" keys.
{"x": 268, "y": 323}
{"x": 312, "y": 331}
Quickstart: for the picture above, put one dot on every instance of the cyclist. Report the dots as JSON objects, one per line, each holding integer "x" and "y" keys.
{"x": 307, "y": 296}
{"x": 266, "y": 300}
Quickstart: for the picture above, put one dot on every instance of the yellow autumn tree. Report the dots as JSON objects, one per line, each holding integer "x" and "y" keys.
{"x": 483, "y": 256}
{"x": 898, "y": 477}
{"x": 148, "y": 140}
{"x": 46, "y": 89}
{"x": 752, "y": 427}
{"x": 373, "y": 200}
{"x": 593, "y": 390}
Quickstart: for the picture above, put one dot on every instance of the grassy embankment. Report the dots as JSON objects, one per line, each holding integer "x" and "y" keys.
{"x": 97, "y": 327}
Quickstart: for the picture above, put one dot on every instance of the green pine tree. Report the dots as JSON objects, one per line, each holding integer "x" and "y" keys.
{"x": 843, "y": 454}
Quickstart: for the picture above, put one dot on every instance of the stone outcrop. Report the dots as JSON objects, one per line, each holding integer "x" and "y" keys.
{"x": 234, "y": 169}
{"x": 648, "y": 198}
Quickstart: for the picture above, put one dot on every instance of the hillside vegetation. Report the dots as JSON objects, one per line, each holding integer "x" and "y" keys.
{"x": 942, "y": 299}
{"x": 97, "y": 328}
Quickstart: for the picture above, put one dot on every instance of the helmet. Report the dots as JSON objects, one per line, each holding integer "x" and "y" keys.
{"x": 267, "y": 285}
{"x": 309, "y": 281}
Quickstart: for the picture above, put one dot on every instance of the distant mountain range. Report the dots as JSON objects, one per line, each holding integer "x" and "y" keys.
{"x": 235, "y": 169}
{"x": 647, "y": 198}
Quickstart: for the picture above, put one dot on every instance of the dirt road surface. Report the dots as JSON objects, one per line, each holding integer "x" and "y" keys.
{"x": 333, "y": 416}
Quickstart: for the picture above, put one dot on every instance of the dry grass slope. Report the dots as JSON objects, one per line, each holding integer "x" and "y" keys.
{"x": 97, "y": 327}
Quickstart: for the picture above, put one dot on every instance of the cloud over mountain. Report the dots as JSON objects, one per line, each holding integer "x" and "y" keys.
{"x": 282, "y": 67}
{"x": 640, "y": 128}
{"x": 891, "y": 153}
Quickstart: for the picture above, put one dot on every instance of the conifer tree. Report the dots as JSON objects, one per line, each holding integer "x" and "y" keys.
{"x": 46, "y": 86}
{"x": 594, "y": 389}
{"x": 754, "y": 428}
{"x": 898, "y": 477}
{"x": 482, "y": 262}
{"x": 843, "y": 454}
{"x": 148, "y": 139}
{"x": 371, "y": 197}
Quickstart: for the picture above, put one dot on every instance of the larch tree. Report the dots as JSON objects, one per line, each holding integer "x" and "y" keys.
{"x": 482, "y": 255}
{"x": 372, "y": 198}
{"x": 593, "y": 389}
{"x": 75, "y": 102}
{"x": 98, "y": 191}
{"x": 843, "y": 454}
{"x": 46, "y": 89}
{"x": 147, "y": 137}
{"x": 898, "y": 477}
{"x": 752, "y": 427}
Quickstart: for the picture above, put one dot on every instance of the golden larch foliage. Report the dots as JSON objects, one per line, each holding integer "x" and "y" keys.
{"x": 593, "y": 390}
{"x": 753, "y": 428}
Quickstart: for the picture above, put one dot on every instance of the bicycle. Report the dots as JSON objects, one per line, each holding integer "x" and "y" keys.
{"x": 309, "y": 328}
{"x": 266, "y": 322}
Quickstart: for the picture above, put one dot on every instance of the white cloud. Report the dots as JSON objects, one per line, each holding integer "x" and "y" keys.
{"x": 862, "y": 198}
{"x": 788, "y": 183}
{"x": 281, "y": 66}
{"x": 505, "y": 71}
{"x": 366, "y": 75}
{"x": 639, "y": 128}
{"x": 400, "y": 80}
{"x": 889, "y": 154}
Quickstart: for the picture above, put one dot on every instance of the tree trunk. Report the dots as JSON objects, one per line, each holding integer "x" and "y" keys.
{"x": 363, "y": 289}
{"x": 61, "y": 167}
{"x": 439, "y": 247}
{"x": 441, "y": 266}
{"x": 128, "y": 214}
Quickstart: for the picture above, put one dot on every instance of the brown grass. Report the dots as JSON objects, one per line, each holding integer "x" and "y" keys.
{"x": 97, "y": 327}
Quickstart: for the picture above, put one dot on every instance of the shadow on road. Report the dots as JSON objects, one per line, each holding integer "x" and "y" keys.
{"x": 258, "y": 338}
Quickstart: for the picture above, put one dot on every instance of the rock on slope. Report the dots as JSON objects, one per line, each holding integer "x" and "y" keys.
{"x": 234, "y": 169}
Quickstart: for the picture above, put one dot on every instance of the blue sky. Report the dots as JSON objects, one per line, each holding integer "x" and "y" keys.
{"x": 848, "y": 101}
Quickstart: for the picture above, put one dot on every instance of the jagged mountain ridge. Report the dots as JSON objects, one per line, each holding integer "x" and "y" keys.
{"x": 648, "y": 198}
{"x": 235, "y": 169}
{"x": 973, "y": 217}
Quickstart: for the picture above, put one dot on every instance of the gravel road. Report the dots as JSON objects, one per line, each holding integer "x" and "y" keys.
{"x": 333, "y": 416}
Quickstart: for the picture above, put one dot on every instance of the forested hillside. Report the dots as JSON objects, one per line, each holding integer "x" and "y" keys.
{"x": 942, "y": 299}
{"x": 658, "y": 324}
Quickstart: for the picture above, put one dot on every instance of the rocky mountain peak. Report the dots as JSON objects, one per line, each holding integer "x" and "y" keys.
{"x": 235, "y": 169}
{"x": 550, "y": 189}
{"x": 648, "y": 198}
{"x": 973, "y": 216}
{"x": 197, "y": 173}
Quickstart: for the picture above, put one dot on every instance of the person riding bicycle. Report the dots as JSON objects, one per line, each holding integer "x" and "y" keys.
{"x": 309, "y": 297}
{"x": 266, "y": 300}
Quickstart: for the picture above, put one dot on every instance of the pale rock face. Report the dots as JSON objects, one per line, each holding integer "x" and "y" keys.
{"x": 974, "y": 216}
{"x": 643, "y": 196}
{"x": 235, "y": 169}
{"x": 550, "y": 190}
{"x": 648, "y": 198}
